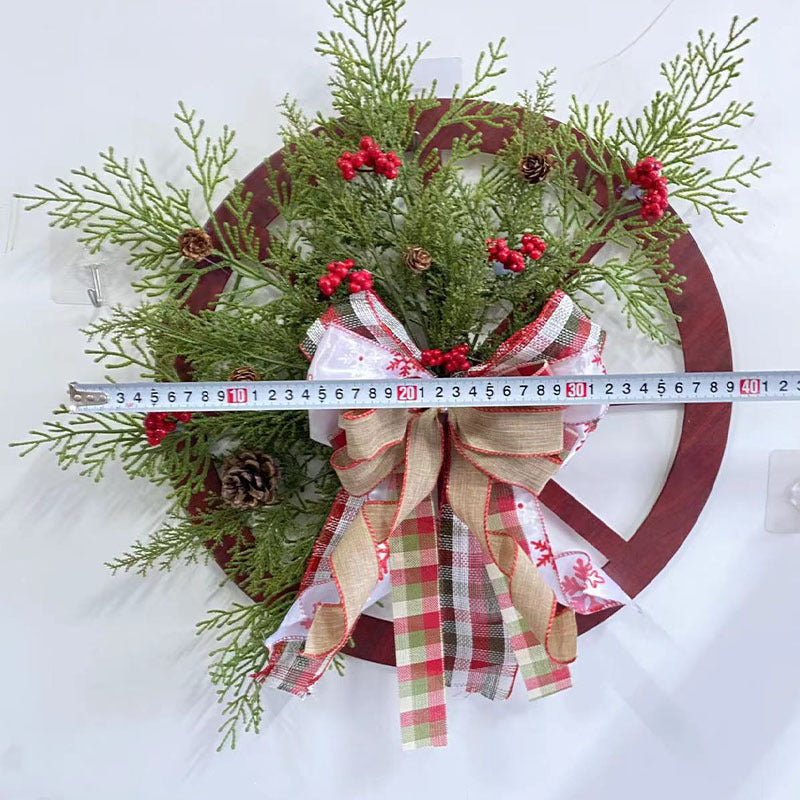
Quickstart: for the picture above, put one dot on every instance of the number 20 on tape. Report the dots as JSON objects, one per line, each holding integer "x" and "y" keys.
{"x": 407, "y": 393}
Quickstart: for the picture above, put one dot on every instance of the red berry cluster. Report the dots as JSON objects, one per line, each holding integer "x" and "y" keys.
{"x": 533, "y": 246}
{"x": 453, "y": 361}
{"x": 157, "y": 424}
{"x": 358, "y": 280}
{"x": 370, "y": 155}
{"x": 514, "y": 260}
{"x": 647, "y": 175}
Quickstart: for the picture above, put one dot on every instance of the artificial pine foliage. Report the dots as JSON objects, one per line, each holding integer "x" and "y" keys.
{"x": 422, "y": 235}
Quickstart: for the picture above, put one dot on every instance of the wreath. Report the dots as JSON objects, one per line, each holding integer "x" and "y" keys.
{"x": 392, "y": 257}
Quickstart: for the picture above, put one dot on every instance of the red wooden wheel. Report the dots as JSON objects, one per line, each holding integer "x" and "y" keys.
{"x": 706, "y": 347}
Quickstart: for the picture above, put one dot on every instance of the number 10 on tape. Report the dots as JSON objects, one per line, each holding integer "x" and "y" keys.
{"x": 237, "y": 396}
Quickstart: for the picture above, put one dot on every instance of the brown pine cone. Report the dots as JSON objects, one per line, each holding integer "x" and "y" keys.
{"x": 417, "y": 259}
{"x": 244, "y": 374}
{"x": 535, "y": 167}
{"x": 249, "y": 479}
{"x": 195, "y": 244}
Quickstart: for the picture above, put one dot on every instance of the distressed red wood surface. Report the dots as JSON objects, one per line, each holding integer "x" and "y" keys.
{"x": 706, "y": 347}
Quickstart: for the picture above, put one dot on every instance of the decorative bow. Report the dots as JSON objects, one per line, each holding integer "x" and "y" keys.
{"x": 449, "y": 500}
{"x": 482, "y": 447}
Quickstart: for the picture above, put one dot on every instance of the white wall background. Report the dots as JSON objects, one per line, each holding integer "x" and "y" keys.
{"x": 104, "y": 686}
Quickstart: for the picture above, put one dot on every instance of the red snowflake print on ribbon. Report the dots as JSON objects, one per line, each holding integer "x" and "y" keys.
{"x": 542, "y": 546}
{"x": 406, "y": 367}
{"x": 584, "y": 576}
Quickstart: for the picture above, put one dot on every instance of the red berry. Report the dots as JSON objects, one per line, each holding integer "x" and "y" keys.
{"x": 360, "y": 281}
{"x": 373, "y": 153}
{"x": 325, "y": 285}
{"x": 349, "y": 263}
{"x": 651, "y": 212}
{"x": 394, "y": 159}
{"x": 455, "y": 363}
{"x": 183, "y": 416}
{"x": 334, "y": 281}
{"x": 647, "y": 175}
{"x": 367, "y": 143}
{"x": 515, "y": 262}
{"x": 432, "y": 358}
{"x": 357, "y": 160}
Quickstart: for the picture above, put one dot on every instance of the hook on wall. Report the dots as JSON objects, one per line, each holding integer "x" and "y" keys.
{"x": 95, "y": 291}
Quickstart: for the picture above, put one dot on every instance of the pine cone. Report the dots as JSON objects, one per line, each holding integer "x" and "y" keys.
{"x": 535, "y": 167}
{"x": 195, "y": 243}
{"x": 244, "y": 374}
{"x": 248, "y": 480}
{"x": 417, "y": 259}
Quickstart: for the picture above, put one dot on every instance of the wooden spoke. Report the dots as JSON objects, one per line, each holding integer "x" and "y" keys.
{"x": 582, "y": 520}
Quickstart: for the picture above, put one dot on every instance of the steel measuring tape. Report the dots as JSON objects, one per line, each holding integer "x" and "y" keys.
{"x": 638, "y": 388}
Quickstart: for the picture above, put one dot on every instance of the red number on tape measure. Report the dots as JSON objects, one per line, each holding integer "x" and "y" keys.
{"x": 407, "y": 393}
{"x": 237, "y": 395}
{"x": 577, "y": 389}
{"x": 750, "y": 386}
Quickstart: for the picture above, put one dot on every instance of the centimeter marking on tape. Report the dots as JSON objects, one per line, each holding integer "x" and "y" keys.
{"x": 647, "y": 388}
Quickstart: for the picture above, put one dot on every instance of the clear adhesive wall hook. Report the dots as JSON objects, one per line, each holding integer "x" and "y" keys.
{"x": 95, "y": 291}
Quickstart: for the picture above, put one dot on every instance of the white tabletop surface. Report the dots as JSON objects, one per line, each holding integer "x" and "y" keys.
{"x": 104, "y": 687}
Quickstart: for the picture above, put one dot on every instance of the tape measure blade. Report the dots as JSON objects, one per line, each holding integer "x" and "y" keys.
{"x": 504, "y": 391}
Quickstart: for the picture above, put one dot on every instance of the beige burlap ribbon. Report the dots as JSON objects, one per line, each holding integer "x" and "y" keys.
{"x": 480, "y": 447}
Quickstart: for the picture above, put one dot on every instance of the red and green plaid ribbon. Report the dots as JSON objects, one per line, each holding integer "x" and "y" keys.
{"x": 418, "y": 630}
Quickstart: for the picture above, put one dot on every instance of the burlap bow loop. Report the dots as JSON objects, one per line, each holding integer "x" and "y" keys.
{"x": 486, "y": 446}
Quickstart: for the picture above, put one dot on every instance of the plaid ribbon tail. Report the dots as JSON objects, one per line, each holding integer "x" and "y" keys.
{"x": 477, "y": 652}
{"x": 542, "y": 676}
{"x": 418, "y": 629}
{"x": 288, "y": 668}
